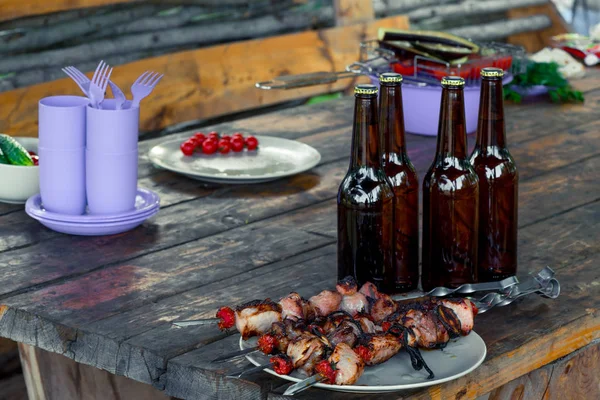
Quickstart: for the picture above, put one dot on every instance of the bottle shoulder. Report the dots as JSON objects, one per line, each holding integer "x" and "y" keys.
{"x": 451, "y": 175}
{"x": 494, "y": 163}
{"x": 363, "y": 186}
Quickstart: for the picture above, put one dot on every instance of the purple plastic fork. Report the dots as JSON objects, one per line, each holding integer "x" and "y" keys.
{"x": 99, "y": 83}
{"x": 84, "y": 83}
{"x": 143, "y": 86}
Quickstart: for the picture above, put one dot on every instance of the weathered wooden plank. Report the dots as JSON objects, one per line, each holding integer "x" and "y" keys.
{"x": 12, "y": 9}
{"x": 215, "y": 80}
{"x": 501, "y": 29}
{"x": 535, "y": 41}
{"x": 56, "y": 377}
{"x": 352, "y": 11}
{"x": 573, "y": 377}
{"x": 469, "y": 8}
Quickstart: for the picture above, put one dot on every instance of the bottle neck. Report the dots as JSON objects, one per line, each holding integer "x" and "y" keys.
{"x": 490, "y": 127}
{"x": 452, "y": 134}
{"x": 365, "y": 143}
{"x": 391, "y": 121}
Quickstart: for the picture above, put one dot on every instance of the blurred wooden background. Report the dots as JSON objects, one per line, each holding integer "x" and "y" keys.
{"x": 212, "y": 51}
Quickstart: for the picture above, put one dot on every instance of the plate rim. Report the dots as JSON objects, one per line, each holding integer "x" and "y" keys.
{"x": 154, "y": 160}
{"x": 382, "y": 388}
{"x": 38, "y": 213}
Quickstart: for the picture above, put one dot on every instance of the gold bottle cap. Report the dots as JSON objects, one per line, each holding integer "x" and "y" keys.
{"x": 390, "y": 77}
{"x": 365, "y": 89}
{"x": 490, "y": 72}
{"x": 453, "y": 81}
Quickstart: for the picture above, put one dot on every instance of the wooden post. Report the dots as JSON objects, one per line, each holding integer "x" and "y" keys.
{"x": 353, "y": 11}
{"x": 51, "y": 376}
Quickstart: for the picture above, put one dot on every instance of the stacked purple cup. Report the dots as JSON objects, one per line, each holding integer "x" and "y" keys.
{"x": 62, "y": 124}
{"x": 111, "y": 158}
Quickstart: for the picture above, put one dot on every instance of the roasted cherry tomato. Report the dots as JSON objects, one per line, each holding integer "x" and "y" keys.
{"x": 266, "y": 343}
{"x": 227, "y": 317}
{"x": 327, "y": 370}
{"x": 282, "y": 364}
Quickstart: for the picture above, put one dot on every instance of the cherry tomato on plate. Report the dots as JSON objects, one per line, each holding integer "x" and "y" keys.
{"x": 200, "y": 137}
{"x": 224, "y": 146}
{"x": 251, "y": 143}
{"x": 226, "y": 137}
{"x": 237, "y": 134}
{"x": 209, "y": 146}
{"x": 36, "y": 159}
{"x": 237, "y": 144}
{"x": 187, "y": 148}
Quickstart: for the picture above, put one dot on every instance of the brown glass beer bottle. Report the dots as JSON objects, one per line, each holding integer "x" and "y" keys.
{"x": 450, "y": 199}
{"x": 403, "y": 274}
{"x": 498, "y": 184}
{"x": 365, "y": 199}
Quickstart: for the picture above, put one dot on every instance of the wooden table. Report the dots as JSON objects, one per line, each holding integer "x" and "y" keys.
{"x": 106, "y": 303}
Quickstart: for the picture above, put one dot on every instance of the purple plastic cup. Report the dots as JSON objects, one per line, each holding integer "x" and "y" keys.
{"x": 62, "y": 180}
{"x": 111, "y": 181}
{"x": 62, "y": 122}
{"x": 112, "y": 131}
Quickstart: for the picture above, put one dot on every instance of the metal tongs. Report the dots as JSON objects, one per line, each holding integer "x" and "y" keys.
{"x": 543, "y": 283}
{"x": 467, "y": 288}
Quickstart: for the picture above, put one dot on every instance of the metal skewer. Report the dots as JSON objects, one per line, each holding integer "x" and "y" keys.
{"x": 193, "y": 322}
{"x": 235, "y": 354}
{"x": 303, "y": 385}
{"x": 240, "y": 372}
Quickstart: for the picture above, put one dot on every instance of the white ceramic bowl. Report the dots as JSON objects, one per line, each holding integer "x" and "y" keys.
{"x": 18, "y": 183}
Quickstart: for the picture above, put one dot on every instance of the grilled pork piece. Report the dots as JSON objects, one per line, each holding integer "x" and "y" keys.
{"x": 347, "y": 286}
{"x": 367, "y": 324}
{"x": 293, "y": 306}
{"x": 256, "y": 317}
{"x": 457, "y": 315}
{"x": 348, "y": 364}
{"x": 378, "y": 348}
{"x": 325, "y": 302}
{"x": 305, "y": 352}
{"x": 354, "y": 303}
{"x": 428, "y": 330}
{"x": 348, "y": 331}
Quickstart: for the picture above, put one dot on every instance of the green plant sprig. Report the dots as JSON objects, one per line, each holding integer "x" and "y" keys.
{"x": 546, "y": 74}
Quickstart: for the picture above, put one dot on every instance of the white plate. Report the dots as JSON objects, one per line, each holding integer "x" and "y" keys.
{"x": 275, "y": 158}
{"x": 460, "y": 357}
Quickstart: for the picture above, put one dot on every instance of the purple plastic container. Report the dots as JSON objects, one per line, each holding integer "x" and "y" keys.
{"x": 62, "y": 122}
{"x": 112, "y": 131}
{"x": 111, "y": 181}
{"x": 421, "y": 106}
{"x": 62, "y": 180}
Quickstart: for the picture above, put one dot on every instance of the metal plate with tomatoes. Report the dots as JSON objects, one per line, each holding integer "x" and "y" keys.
{"x": 268, "y": 158}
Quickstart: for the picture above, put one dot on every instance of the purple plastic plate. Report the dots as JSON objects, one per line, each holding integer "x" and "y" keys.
{"x": 95, "y": 229}
{"x": 146, "y": 202}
